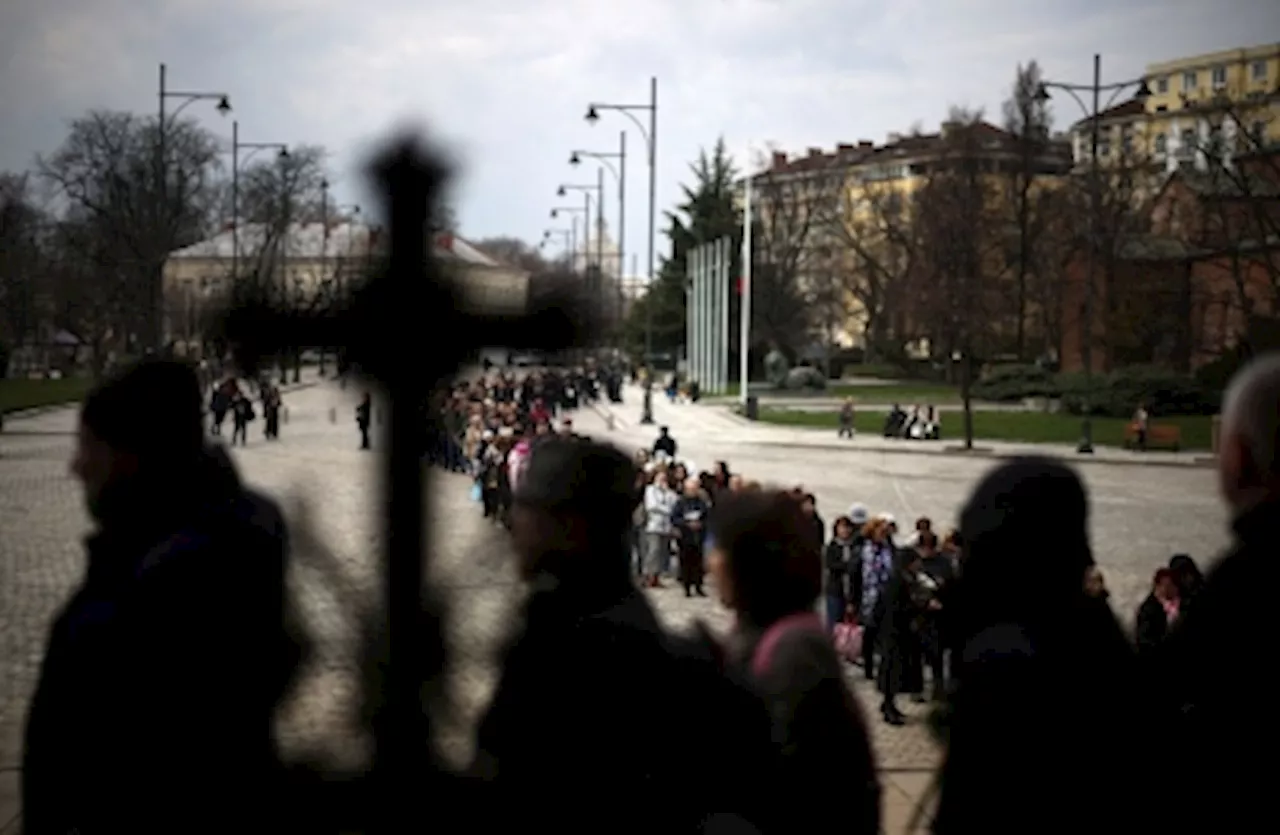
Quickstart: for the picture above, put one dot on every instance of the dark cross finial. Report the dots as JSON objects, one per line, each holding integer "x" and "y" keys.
{"x": 406, "y": 329}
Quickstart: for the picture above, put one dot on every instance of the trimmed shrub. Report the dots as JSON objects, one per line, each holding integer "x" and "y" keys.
{"x": 1014, "y": 383}
{"x": 1118, "y": 394}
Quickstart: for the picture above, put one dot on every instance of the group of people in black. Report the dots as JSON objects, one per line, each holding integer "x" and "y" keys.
{"x": 227, "y": 398}
{"x": 163, "y": 671}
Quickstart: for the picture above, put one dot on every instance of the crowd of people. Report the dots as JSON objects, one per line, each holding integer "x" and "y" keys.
{"x": 165, "y": 667}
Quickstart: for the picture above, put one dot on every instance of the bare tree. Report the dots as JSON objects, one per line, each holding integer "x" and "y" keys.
{"x": 110, "y": 174}
{"x": 960, "y": 235}
{"x": 866, "y": 224}
{"x": 787, "y": 206}
{"x": 22, "y": 262}
{"x": 1027, "y": 119}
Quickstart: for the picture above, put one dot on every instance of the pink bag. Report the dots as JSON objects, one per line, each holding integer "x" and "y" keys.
{"x": 848, "y": 641}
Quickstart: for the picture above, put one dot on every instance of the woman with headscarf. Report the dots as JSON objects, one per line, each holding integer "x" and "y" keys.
{"x": 1046, "y": 707}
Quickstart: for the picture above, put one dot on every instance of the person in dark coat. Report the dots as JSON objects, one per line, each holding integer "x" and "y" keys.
{"x": 841, "y": 557}
{"x": 583, "y": 701}
{"x": 1187, "y": 576}
{"x": 1047, "y": 705}
{"x": 1158, "y": 612}
{"x": 689, "y": 524}
{"x": 364, "y": 419}
{"x": 154, "y": 707}
{"x": 1228, "y": 628}
{"x": 665, "y": 444}
{"x": 900, "y": 608}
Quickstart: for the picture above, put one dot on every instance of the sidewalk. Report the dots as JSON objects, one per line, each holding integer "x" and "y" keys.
{"x": 701, "y": 418}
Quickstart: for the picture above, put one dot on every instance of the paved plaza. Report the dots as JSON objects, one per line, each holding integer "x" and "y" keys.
{"x": 1141, "y": 516}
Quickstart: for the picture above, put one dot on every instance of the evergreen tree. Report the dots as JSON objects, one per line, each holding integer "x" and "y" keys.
{"x": 707, "y": 212}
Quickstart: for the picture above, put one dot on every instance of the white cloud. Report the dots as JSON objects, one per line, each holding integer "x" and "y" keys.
{"x": 506, "y": 81}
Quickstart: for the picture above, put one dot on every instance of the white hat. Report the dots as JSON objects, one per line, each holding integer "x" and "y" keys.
{"x": 887, "y": 518}
{"x": 487, "y": 434}
{"x": 858, "y": 513}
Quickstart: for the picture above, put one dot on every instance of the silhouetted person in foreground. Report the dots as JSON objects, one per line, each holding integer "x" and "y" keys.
{"x": 1227, "y": 631}
{"x": 1045, "y": 724}
{"x": 583, "y": 711}
{"x": 767, "y": 569}
{"x": 153, "y": 710}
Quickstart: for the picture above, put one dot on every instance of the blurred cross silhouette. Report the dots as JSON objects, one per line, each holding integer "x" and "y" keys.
{"x": 406, "y": 330}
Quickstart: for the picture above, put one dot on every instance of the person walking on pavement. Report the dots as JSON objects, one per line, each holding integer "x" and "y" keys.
{"x": 846, "y": 419}
{"x": 364, "y": 418}
{"x": 271, "y": 403}
{"x": 161, "y": 672}
{"x": 242, "y": 414}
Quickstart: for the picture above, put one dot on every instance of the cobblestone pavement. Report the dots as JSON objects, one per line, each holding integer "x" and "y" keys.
{"x": 329, "y": 487}
{"x": 1141, "y": 514}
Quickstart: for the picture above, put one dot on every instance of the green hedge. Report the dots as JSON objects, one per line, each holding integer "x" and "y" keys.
{"x": 1116, "y": 394}
{"x": 1014, "y": 383}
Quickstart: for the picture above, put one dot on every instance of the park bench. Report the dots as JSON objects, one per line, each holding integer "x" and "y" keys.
{"x": 1159, "y": 436}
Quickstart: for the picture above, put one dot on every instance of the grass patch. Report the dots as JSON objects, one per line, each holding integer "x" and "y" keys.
{"x": 907, "y": 394}
{"x": 1024, "y": 427}
{"x": 19, "y": 394}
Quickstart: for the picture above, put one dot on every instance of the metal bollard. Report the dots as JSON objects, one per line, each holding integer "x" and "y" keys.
{"x": 608, "y": 421}
{"x": 333, "y": 415}
{"x": 284, "y": 414}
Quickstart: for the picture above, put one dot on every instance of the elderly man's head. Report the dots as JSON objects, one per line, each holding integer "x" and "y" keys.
{"x": 1248, "y": 469}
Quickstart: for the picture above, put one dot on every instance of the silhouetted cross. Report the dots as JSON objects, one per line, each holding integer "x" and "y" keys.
{"x": 406, "y": 330}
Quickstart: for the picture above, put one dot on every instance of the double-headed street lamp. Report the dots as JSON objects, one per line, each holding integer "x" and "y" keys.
{"x": 162, "y": 174}
{"x": 1094, "y": 115}
{"x": 651, "y": 143}
{"x": 282, "y": 153}
{"x": 619, "y": 174}
{"x": 572, "y": 211}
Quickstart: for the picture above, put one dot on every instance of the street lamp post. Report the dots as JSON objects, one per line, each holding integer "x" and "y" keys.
{"x": 651, "y": 142}
{"x": 586, "y": 222}
{"x": 236, "y": 147}
{"x": 1093, "y": 113}
{"x": 162, "y": 177}
{"x": 566, "y": 237}
{"x": 593, "y": 281}
{"x": 619, "y": 174}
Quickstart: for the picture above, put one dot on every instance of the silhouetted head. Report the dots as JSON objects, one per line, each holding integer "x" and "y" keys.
{"x": 1025, "y": 529}
{"x": 1249, "y": 445}
{"x": 765, "y": 562}
{"x": 144, "y": 423}
{"x": 572, "y": 511}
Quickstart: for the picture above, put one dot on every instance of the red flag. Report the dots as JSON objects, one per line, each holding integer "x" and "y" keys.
{"x": 737, "y": 286}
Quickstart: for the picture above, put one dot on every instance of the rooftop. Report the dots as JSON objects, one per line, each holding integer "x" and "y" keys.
{"x": 344, "y": 240}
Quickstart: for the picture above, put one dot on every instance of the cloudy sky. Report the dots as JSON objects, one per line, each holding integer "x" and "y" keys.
{"x": 505, "y": 82}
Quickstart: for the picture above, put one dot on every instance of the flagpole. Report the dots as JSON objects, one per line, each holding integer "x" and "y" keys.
{"x": 744, "y": 371}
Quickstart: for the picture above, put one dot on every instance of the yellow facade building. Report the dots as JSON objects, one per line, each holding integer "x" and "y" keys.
{"x": 1200, "y": 109}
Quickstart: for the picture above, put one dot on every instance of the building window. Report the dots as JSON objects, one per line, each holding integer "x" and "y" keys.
{"x": 1162, "y": 84}
{"x": 1187, "y": 142}
{"x": 1162, "y": 143}
{"x": 1215, "y": 145}
{"x": 1259, "y": 70}
{"x": 1219, "y": 76}
{"x": 1104, "y": 147}
{"x": 1259, "y": 133}
{"x": 1189, "y": 81}
{"x": 1126, "y": 141}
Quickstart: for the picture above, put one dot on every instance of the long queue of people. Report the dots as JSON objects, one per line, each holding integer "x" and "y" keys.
{"x": 1050, "y": 719}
